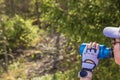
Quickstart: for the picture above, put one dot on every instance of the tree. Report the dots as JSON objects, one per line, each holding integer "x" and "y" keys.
{"x": 79, "y": 20}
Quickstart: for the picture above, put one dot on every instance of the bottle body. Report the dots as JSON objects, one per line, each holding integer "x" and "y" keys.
{"x": 104, "y": 52}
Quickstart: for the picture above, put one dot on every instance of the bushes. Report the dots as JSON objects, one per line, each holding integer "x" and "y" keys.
{"x": 19, "y": 32}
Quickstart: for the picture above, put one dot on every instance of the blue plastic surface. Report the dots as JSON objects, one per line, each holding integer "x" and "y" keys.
{"x": 104, "y": 52}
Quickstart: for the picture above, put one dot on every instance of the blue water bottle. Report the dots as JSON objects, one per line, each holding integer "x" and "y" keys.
{"x": 104, "y": 52}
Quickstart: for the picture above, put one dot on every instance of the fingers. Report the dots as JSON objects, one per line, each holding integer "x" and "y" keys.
{"x": 93, "y": 45}
{"x": 97, "y": 46}
{"x": 90, "y": 45}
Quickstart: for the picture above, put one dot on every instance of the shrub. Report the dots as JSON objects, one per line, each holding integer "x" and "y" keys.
{"x": 19, "y": 32}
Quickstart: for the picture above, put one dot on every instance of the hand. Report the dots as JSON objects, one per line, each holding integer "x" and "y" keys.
{"x": 90, "y": 56}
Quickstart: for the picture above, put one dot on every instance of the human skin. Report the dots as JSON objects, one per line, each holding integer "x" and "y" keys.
{"x": 116, "y": 51}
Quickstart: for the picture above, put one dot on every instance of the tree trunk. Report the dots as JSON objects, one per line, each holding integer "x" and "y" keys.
{"x": 37, "y": 13}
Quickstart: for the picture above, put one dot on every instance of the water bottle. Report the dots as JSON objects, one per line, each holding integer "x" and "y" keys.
{"x": 104, "y": 52}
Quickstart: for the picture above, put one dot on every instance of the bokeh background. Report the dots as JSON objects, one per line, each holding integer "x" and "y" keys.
{"x": 40, "y": 39}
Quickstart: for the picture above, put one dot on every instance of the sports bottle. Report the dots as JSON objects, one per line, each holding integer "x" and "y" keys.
{"x": 104, "y": 52}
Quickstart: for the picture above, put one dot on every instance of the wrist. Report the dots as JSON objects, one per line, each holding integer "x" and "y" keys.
{"x": 85, "y": 74}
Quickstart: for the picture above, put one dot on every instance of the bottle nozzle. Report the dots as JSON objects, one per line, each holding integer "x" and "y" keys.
{"x": 111, "y": 55}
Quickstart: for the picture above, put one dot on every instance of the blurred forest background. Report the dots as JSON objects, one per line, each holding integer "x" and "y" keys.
{"x": 40, "y": 39}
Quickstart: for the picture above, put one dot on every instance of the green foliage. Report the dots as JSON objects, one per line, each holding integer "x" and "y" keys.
{"x": 84, "y": 21}
{"x": 108, "y": 69}
{"x": 68, "y": 75}
{"x": 19, "y": 32}
{"x": 16, "y": 71}
{"x": 79, "y": 20}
